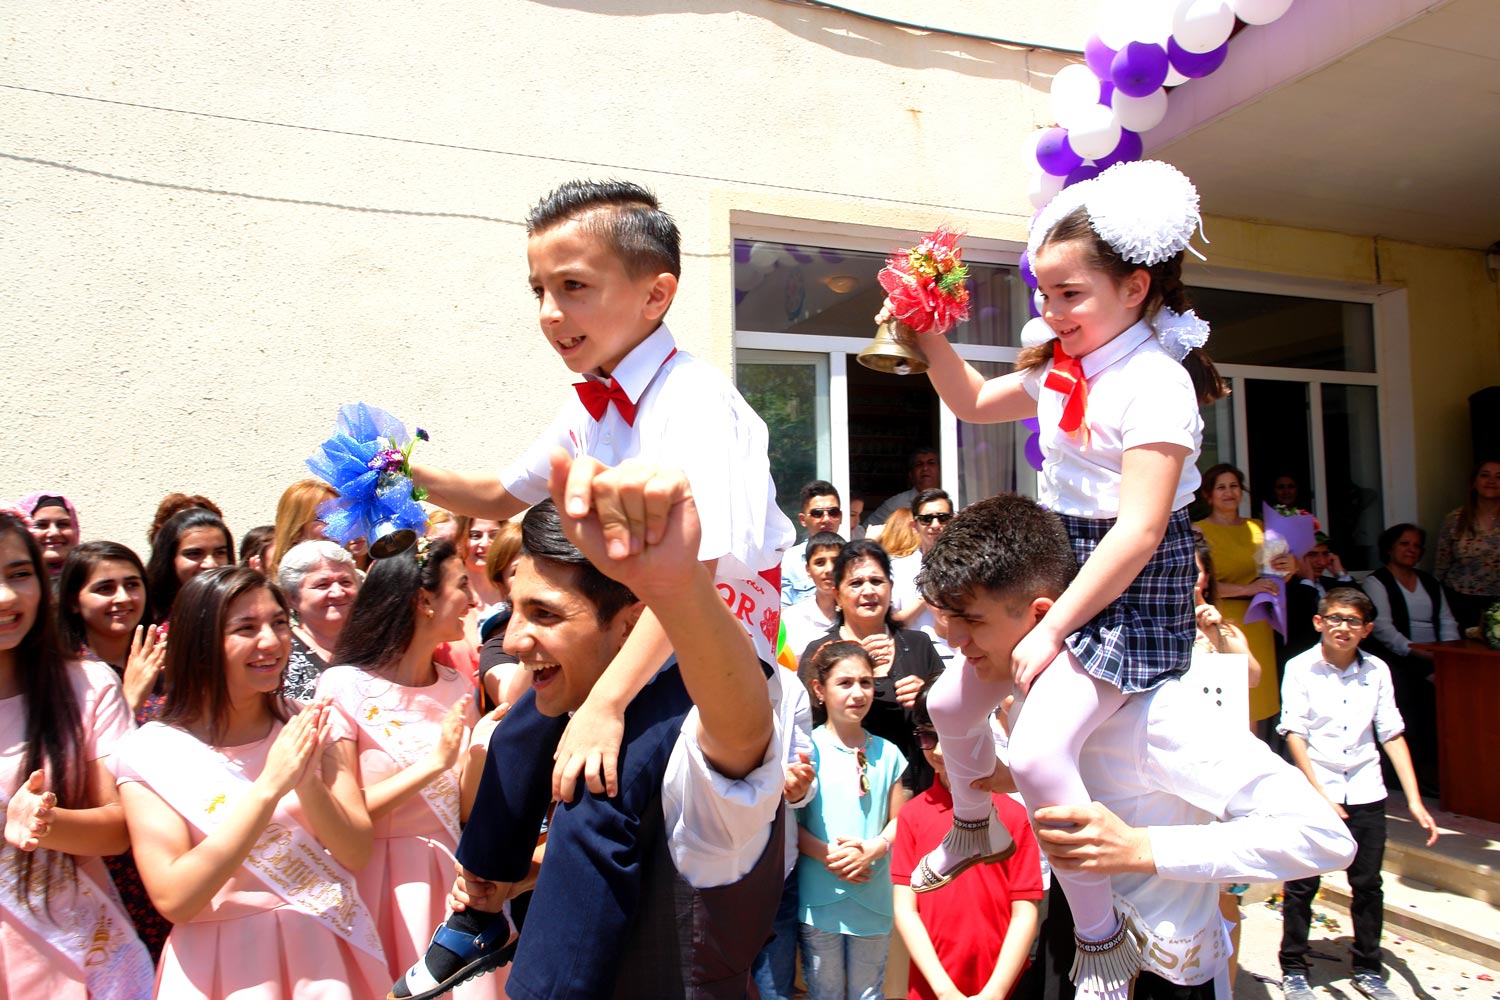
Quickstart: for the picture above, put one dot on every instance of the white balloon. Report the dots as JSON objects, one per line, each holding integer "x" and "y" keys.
{"x": 1152, "y": 21}
{"x": 763, "y": 256}
{"x": 1141, "y": 114}
{"x": 1096, "y": 133}
{"x": 1043, "y": 188}
{"x": 1075, "y": 89}
{"x": 1259, "y": 11}
{"x": 1202, "y": 25}
{"x": 1115, "y": 23}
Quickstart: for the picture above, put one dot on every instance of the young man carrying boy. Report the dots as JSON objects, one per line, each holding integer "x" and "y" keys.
{"x": 972, "y": 943}
{"x": 1180, "y": 804}
{"x": 1337, "y": 703}
{"x": 820, "y": 513}
{"x": 604, "y": 262}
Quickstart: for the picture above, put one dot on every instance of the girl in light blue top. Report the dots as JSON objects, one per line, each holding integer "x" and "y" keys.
{"x": 843, "y": 871}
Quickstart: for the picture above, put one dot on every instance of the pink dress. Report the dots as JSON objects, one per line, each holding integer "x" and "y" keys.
{"x": 52, "y": 956}
{"x": 248, "y": 943}
{"x": 407, "y": 880}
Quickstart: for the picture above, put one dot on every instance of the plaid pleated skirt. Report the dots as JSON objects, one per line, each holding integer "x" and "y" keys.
{"x": 1146, "y": 635}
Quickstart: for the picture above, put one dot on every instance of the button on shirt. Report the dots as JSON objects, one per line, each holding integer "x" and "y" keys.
{"x": 1342, "y": 714}
{"x": 688, "y": 416}
{"x": 1138, "y": 395}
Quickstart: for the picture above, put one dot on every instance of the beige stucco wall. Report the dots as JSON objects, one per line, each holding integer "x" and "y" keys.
{"x": 223, "y": 221}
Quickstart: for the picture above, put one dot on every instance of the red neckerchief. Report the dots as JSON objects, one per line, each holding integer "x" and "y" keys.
{"x": 1066, "y": 377}
{"x": 596, "y": 397}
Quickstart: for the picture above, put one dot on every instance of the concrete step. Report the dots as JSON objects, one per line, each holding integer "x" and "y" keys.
{"x": 1446, "y": 896}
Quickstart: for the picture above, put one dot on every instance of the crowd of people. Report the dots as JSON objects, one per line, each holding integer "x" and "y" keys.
{"x": 546, "y": 751}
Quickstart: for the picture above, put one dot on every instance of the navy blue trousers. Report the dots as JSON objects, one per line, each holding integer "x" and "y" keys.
{"x": 589, "y": 889}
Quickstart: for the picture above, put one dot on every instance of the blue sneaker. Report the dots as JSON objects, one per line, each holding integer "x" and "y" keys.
{"x": 1294, "y": 987}
{"x": 1372, "y": 985}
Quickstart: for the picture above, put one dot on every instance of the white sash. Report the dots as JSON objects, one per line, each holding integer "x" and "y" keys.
{"x": 406, "y": 735}
{"x": 197, "y": 784}
{"x": 87, "y": 927}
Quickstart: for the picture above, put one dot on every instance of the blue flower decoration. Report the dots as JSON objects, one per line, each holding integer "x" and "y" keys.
{"x": 367, "y": 496}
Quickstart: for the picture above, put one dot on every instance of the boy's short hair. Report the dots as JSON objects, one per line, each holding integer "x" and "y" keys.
{"x": 925, "y": 497}
{"x": 1348, "y": 597}
{"x": 626, "y": 215}
{"x": 823, "y": 540}
{"x": 1008, "y": 545}
{"x": 817, "y": 488}
{"x": 542, "y": 538}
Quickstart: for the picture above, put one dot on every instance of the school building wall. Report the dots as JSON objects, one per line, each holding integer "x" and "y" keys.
{"x": 223, "y": 222}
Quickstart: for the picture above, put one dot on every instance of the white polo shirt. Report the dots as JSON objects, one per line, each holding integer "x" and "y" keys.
{"x": 1138, "y": 395}
{"x": 1342, "y": 714}
{"x": 688, "y": 416}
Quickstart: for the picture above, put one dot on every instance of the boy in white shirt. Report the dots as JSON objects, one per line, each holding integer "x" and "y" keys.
{"x": 1336, "y": 703}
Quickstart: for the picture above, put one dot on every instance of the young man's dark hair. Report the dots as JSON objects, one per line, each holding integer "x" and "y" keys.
{"x": 816, "y": 488}
{"x": 626, "y": 215}
{"x": 925, "y": 497}
{"x": 542, "y": 538}
{"x": 1008, "y": 545}
{"x": 1348, "y": 597}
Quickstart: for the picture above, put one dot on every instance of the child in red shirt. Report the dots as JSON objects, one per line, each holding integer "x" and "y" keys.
{"x": 973, "y": 943}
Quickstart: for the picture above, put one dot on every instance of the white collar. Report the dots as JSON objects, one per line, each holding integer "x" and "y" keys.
{"x": 636, "y": 370}
{"x": 1102, "y": 357}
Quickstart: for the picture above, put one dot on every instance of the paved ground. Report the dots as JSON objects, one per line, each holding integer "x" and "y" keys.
{"x": 1414, "y": 971}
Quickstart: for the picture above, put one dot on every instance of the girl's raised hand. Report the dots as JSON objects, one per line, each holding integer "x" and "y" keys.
{"x": 1036, "y": 650}
{"x": 451, "y": 736}
{"x": 28, "y": 815}
{"x": 294, "y": 750}
{"x": 148, "y": 654}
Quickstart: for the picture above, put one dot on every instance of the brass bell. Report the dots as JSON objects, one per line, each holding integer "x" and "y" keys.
{"x": 388, "y": 540}
{"x": 894, "y": 350}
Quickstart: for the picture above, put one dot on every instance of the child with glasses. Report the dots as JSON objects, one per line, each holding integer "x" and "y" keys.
{"x": 1337, "y": 702}
{"x": 844, "y": 835}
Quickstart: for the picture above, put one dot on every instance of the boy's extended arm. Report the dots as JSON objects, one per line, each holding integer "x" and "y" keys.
{"x": 1400, "y": 755}
{"x": 477, "y": 494}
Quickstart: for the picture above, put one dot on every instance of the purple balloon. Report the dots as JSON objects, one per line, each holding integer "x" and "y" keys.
{"x": 1027, "y": 274}
{"x": 1098, "y": 56}
{"x": 1054, "y": 154}
{"x": 1139, "y": 68}
{"x": 1087, "y": 172}
{"x": 1130, "y": 148}
{"x": 1196, "y": 64}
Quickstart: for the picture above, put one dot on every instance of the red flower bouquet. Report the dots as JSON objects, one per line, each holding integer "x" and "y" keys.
{"x": 926, "y": 285}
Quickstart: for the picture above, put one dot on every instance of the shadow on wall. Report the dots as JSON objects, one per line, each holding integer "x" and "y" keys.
{"x": 849, "y": 34}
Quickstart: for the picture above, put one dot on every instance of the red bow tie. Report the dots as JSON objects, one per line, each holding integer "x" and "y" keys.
{"x": 596, "y": 397}
{"x": 1066, "y": 377}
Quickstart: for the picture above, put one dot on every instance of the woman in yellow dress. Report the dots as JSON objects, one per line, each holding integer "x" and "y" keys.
{"x": 1235, "y": 543}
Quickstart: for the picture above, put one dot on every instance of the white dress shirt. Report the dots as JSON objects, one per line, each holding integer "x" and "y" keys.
{"x": 718, "y": 827}
{"x": 1343, "y": 715}
{"x": 690, "y": 417}
{"x": 1218, "y": 806}
{"x": 1138, "y": 395}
